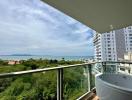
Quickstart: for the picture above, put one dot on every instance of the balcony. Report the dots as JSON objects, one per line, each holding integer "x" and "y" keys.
{"x": 102, "y": 19}
{"x": 87, "y": 82}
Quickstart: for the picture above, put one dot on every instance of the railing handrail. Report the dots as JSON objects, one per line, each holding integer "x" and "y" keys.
{"x": 10, "y": 74}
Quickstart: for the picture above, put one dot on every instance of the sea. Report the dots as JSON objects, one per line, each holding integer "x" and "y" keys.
{"x": 77, "y": 58}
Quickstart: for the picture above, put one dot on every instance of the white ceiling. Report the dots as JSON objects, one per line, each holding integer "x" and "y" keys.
{"x": 100, "y": 15}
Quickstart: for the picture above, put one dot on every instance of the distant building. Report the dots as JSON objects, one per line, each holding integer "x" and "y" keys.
{"x": 113, "y": 45}
{"x": 128, "y": 38}
{"x": 126, "y": 68}
{"x": 12, "y": 62}
{"x": 128, "y": 56}
{"x": 105, "y": 46}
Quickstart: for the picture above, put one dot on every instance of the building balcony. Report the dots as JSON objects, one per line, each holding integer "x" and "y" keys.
{"x": 85, "y": 84}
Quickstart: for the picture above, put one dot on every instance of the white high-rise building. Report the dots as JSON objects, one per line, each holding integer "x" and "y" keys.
{"x": 128, "y": 38}
{"x": 113, "y": 45}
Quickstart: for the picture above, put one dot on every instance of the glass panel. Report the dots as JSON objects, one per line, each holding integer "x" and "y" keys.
{"x": 106, "y": 67}
{"x": 125, "y": 68}
{"x": 94, "y": 72}
{"x": 38, "y": 86}
{"x": 97, "y": 68}
{"x": 75, "y": 82}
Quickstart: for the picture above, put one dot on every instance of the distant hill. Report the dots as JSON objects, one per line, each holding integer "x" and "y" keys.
{"x": 20, "y": 55}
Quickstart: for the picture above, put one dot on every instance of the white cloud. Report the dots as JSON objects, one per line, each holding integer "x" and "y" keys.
{"x": 30, "y": 26}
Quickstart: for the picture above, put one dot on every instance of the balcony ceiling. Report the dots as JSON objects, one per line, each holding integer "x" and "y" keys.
{"x": 100, "y": 15}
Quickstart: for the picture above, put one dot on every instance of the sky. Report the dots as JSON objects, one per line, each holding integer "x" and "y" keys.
{"x": 33, "y": 27}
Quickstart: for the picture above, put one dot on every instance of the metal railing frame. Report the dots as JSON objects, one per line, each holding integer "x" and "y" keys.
{"x": 60, "y": 74}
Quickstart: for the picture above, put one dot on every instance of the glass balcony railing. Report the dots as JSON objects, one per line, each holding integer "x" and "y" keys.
{"x": 68, "y": 82}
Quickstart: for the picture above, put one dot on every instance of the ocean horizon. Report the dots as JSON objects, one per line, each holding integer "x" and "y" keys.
{"x": 12, "y": 57}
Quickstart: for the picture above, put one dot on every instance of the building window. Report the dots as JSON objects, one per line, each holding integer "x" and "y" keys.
{"x": 122, "y": 69}
{"x": 130, "y": 37}
{"x": 108, "y": 35}
{"x": 109, "y": 55}
{"x": 109, "y": 58}
{"x": 109, "y": 48}
{"x": 130, "y": 34}
{"x": 108, "y": 41}
{"x": 109, "y": 52}
{"x": 108, "y": 45}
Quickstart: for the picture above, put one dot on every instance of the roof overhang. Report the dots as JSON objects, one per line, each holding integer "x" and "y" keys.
{"x": 100, "y": 15}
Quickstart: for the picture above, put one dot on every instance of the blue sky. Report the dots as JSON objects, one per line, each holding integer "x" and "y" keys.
{"x": 32, "y": 27}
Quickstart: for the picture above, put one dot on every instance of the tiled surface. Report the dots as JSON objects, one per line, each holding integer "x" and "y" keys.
{"x": 96, "y": 98}
{"x": 91, "y": 95}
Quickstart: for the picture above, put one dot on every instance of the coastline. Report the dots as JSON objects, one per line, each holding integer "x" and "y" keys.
{"x": 11, "y": 57}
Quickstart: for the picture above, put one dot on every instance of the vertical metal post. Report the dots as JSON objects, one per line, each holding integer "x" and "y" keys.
{"x": 102, "y": 70}
{"x": 117, "y": 68}
{"x": 129, "y": 70}
{"x": 88, "y": 79}
{"x": 103, "y": 67}
{"x": 60, "y": 84}
{"x": 89, "y": 76}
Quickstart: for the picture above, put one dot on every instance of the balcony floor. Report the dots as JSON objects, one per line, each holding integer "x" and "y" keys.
{"x": 96, "y": 98}
{"x": 91, "y": 95}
